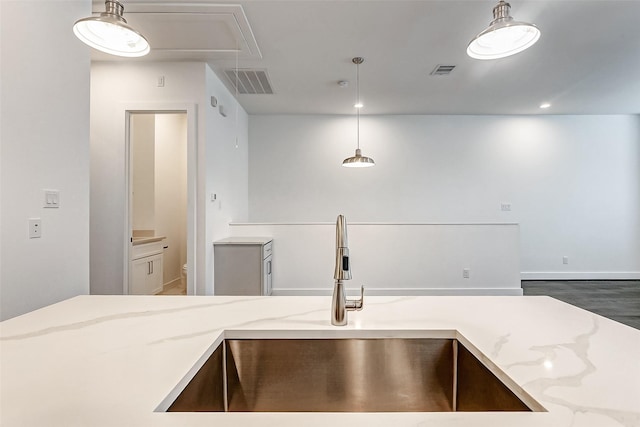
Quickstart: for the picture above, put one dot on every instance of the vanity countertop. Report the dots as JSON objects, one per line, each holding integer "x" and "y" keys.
{"x": 146, "y": 239}
{"x": 113, "y": 360}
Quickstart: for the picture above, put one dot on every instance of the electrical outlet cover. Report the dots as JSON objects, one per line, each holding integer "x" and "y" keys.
{"x": 35, "y": 228}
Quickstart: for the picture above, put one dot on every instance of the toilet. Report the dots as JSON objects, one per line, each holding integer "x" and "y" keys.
{"x": 183, "y": 276}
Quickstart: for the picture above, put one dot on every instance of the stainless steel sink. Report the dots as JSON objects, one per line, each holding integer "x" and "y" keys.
{"x": 345, "y": 375}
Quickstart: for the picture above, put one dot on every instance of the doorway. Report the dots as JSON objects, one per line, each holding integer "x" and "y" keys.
{"x": 160, "y": 237}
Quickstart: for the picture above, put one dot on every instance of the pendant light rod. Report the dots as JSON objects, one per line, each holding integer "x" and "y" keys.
{"x": 358, "y": 131}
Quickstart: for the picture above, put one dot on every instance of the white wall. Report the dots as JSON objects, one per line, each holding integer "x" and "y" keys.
{"x": 228, "y": 171}
{"x": 573, "y": 181}
{"x": 115, "y": 85}
{"x": 44, "y": 132}
{"x": 143, "y": 184}
{"x": 395, "y": 259}
{"x": 171, "y": 191}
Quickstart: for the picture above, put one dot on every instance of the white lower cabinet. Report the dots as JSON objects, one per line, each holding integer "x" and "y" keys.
{"x": 146, "y": 277}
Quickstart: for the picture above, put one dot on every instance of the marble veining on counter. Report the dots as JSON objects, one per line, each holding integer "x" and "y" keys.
{"x": 113, "y": 360}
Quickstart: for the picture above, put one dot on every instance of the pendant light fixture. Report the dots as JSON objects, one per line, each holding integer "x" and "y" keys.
{"x": 110, "y": 32}
{"x": 504, "y": 36}
{"x": 358, "y": 161}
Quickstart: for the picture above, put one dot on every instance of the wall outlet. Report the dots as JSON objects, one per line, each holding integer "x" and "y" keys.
{"x": 160, "y": 81}
{"x": 565, "y": 260}
{"x": 465, "y": 273}
{"x": 35, "y": 228}
{"x": 505, "y": 207}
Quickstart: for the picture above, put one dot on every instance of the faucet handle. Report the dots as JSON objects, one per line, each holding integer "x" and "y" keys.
{"x": 356, "y": 304}
{"x": 360, "y": 302}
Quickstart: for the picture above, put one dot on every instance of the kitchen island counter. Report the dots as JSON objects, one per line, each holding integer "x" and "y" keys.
{"x": 117, "y": 360}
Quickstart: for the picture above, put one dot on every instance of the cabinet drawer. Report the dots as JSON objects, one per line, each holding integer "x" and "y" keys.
{"x": 147, "y": 249}
{"x": 266, "y": 250}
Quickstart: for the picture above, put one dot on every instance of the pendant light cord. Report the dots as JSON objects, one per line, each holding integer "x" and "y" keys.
{"x": 237, "y": 102}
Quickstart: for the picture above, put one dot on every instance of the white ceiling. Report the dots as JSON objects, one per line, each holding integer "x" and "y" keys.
{"x": 586, "y": 62}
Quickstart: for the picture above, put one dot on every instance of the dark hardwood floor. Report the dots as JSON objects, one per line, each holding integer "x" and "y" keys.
{"x": 616, "y": 299}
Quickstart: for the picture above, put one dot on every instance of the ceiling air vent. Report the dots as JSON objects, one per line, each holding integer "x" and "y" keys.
{"x": 250, "y": 81}
{"x": 442, "y": 70}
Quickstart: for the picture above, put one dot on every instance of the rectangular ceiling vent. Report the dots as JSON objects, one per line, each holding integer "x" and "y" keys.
{"x": 442, "y": 70}
{"x": 249, "y": 81}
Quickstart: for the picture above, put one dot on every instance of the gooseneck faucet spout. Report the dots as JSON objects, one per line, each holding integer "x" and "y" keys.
{"x": 340, "y": 305}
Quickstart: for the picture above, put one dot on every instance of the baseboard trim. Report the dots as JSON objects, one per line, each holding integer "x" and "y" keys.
{"x": 580, "y": 275}
{"x": 171, "y": 283}
{"x": 403, "y": 292}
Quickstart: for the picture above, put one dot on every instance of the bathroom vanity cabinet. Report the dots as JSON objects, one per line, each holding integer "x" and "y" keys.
{"x": 243, "y": 266}
{"x": 146, "y": 276}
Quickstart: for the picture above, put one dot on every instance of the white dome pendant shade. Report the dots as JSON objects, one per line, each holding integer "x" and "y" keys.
{"x": 110, "y": 32}
{"x": 504, "y": 37}
{"x": 358, "y": 161}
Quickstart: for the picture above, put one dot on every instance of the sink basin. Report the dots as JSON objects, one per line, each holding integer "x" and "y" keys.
{"x": 345, "y": 375}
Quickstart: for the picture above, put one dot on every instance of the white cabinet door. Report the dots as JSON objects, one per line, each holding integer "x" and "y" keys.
{"x": 146, "y": 276}
{"x": 155, "y": 278}
{"x": 140, "y": 270}
{"x": 266, "y": 278}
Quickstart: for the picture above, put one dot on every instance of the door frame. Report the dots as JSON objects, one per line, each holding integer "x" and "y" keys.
{"x": 194, "y": 207}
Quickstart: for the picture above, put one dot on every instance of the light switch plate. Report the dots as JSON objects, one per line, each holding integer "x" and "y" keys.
{"x": 51, "y": 199}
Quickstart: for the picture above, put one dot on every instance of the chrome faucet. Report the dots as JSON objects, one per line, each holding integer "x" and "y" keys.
{"x": 340, "y": 304}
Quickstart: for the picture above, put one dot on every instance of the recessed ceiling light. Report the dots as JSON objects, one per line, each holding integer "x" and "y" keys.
{"x": 545, "y": 105}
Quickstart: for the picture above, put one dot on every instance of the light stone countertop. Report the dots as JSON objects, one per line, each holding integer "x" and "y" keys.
{"x": 113, "y": 360}
{"x": 146, "y": 239}
{"x": 243, "y": 241}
